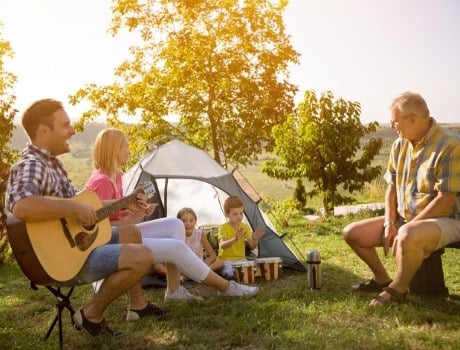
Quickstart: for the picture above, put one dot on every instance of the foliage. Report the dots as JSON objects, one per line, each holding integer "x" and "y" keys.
{"x": 80, "y": 150}
{"x": 79, "y": 169}
{"x": 321, "y": 143}
{"x": 7, "y": 114}
{"x": 3, "y": 232}
{"x": 300, "y": 194}
{"x": 219, "y": 67}
{"x": 279, "y": 212}
{"x": 7, "y": 99}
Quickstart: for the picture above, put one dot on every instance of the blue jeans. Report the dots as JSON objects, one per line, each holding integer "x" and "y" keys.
{"x": 102, "y": 262}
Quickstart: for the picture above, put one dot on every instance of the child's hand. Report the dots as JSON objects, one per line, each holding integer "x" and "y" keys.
{"x": 258, "y": 233}
{"x": 239, "y": 234}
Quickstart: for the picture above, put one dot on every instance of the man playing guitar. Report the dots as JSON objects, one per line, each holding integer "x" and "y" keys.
{"x": 39, "y": 191}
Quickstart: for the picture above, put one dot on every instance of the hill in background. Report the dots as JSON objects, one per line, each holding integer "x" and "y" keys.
{"x": 88, "y": 136}
{"x": 79, "y": 166}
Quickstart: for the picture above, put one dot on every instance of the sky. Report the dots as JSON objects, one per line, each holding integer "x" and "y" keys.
{"x": 361, "y": 50}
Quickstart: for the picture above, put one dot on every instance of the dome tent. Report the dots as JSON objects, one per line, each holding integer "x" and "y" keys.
{"x": 186, "y": 176}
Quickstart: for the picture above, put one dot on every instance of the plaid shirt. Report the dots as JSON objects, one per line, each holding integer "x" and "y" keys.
{"x": 419, "y": 172}
{"x": 37, "y": 173}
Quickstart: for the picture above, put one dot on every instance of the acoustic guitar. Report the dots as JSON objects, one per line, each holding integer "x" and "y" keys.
{"x": 55, "y": 250}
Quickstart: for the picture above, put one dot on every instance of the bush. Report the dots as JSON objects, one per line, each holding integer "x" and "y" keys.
{"x": 281, "y": 213}
{"x": 300, "y": 195}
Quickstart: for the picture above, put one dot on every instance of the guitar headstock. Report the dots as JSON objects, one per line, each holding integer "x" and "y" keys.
{"x": 149, "y": 189}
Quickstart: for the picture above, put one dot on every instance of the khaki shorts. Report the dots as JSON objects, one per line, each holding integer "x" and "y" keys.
{"x": 450, "y": 231}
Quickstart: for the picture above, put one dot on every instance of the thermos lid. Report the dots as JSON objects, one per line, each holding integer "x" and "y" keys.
{"x": 313, "y": 255}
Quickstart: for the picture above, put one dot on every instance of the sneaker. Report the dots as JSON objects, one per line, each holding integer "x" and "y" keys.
{"x": 239, "y": 290}
{"x": 181, "y": 294}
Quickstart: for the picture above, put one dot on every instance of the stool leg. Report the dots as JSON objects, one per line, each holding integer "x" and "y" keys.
{"x": 48, "y": 333}
{"x": 61, "y": 337}
{"x": 63, "y": 303}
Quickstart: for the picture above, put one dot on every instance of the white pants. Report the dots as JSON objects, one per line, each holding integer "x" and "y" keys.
{"x": 166, "y": 239}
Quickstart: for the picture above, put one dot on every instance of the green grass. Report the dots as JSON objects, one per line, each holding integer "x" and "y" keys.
{"x": 285, "y": 314}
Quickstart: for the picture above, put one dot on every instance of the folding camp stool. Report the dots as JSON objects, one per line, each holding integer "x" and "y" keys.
{"x": 62, "y": 303}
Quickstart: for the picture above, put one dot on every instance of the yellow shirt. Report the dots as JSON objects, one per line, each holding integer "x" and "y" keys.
{"x": 419, "y": 172}
{"x": 237, "y": 250}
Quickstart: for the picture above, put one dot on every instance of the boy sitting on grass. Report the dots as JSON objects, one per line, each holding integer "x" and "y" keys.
{"x": 233, "y": 234}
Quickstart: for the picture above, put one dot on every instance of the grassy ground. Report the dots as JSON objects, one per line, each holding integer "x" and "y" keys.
{"x": 285, "y": 314}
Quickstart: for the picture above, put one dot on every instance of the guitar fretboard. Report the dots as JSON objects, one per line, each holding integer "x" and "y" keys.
{"x": 112, "y": 208}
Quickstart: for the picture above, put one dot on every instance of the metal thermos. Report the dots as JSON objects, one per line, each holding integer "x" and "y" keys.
{"x": 314, "y": 269}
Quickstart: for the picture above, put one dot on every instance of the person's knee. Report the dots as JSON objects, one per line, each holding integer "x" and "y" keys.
{"x": 177, "y": 226}
{"x": 406, "y": 238}
{"x": 130, "y": 234}
{"x": 348, "y": 233}
{"x": 409, "y": 239}
{"x": 137, "y": 256}
{"x": 146, "y": 257}
{"x": 177, "y": 245}
{"x": 361, "y": 232}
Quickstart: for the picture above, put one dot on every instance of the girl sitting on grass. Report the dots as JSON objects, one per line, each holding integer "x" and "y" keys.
{"x": 197, "y": 240}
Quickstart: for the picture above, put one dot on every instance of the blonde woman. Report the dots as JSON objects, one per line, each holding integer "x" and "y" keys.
{"x": 165, "y": 237}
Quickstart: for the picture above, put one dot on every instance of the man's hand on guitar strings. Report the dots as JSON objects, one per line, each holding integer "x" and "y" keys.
{"x": 84, "y": 213}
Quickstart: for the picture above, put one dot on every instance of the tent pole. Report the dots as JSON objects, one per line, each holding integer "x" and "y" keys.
{"x": 290, "y": 240}
{"x": 165, "y": 196}
{"x": 303, "y": 262}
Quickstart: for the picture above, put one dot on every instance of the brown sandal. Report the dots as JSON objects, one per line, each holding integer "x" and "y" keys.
{"x": 396, "y": 297}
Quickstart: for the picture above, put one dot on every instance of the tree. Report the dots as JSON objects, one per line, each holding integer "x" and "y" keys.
{"x": 7, "y": 100}
{"x": 322, "y": 143}
{"x": 219, "y": 66}
{"x": 7, "y": 114}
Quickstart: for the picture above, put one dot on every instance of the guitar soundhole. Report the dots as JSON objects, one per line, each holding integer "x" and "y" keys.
{"x": 85, "y": 240}
{"x": 89, "y": 228}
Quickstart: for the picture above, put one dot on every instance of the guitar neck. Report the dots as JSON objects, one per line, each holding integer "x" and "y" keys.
{"x": 112, "y": 208}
